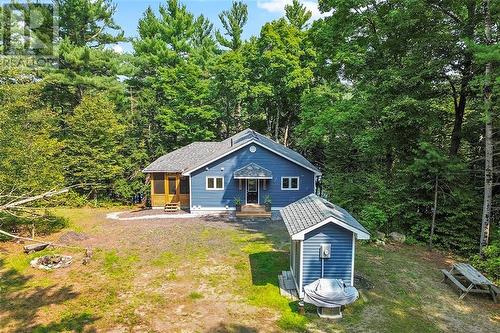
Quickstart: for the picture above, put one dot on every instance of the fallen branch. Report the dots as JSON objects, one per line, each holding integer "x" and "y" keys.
{"x": 35, "y": 247}
{"x": 45, "y": 195}
{"x": 40, "y": 241}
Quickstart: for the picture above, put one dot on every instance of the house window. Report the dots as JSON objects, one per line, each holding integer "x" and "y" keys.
{"x": 184, "y": 185}
{"x": 159, "y": 183}
{"x": 290, "y": 183}
{"x": 172, "y": 189}
{"x": 215, "y": 183}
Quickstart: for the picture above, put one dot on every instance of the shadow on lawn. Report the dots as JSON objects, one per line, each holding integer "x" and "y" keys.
{"x": 231, "y": 328}
{"x": 266, "y": 266}
{"x": 19, "y": 304}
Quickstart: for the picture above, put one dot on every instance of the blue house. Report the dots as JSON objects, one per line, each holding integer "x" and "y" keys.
{"x": 209, "y": 176}
{"x": 323, "y": 237}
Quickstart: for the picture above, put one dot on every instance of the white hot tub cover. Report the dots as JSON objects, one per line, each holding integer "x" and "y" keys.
{"x": 329, "y": 293}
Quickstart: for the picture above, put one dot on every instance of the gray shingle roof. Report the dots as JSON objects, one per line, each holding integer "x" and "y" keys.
{"x": 196, "y": 154}
{"x": 311, "y": 210}
{"x": 182, "y": 158}
{"x": 253, "y": 170}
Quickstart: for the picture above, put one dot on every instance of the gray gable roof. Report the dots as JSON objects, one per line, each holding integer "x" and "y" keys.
{"x": 197, "y": 154}
{"x": 253, "y": 170}
{"x": 312, "y": 210}
{"x": 182, "y": 158}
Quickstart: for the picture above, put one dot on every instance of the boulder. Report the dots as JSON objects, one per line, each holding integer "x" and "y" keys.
{"x": 397, "y": 237}
{"x": 379, "y": 235}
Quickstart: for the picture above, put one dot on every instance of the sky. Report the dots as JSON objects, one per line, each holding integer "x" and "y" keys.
{"x": 129, "y": 12}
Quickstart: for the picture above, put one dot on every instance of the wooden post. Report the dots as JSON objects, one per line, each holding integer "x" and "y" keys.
{"x": 301, "y": 308}
{"x": 434, "y": 209}
{"x": 178, "y": 187}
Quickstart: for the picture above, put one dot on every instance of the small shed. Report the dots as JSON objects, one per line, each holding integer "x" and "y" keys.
{"x": 323, "y": 239}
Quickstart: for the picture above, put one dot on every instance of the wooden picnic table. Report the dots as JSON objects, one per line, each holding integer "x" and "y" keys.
{"x": 469, "y": 280}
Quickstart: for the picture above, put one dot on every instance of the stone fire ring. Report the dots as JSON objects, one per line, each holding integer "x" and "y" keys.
{"x": 50, "y": 262}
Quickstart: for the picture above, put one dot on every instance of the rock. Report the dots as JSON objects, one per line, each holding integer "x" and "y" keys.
{"x": 397, "y": 237}
{"x": 379, "y": 235}
{"x": 379, "y": 242}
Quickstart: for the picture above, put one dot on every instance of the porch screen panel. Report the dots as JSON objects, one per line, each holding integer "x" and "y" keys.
{"x": 184, "y": 185}
{"x": 171, "y": 185}
{"x": 159, "y": 183}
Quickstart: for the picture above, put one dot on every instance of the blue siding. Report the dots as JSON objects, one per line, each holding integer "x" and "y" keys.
{"x": 336, "y": 267}
{"x": 279, "y": 166}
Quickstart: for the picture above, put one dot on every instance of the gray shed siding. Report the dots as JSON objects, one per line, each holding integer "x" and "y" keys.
{"x": 339, "y": 266}
{"x": 279, "y": 166}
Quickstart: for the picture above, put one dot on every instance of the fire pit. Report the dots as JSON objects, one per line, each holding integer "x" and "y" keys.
{"x": 53, "y": 261}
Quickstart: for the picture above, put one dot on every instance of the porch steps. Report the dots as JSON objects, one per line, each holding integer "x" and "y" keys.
{"x": 172, "y": 206}
{"x": 252, "y": 214}
{"x": 287, "y": 286}
{"x": 253, "y": 210}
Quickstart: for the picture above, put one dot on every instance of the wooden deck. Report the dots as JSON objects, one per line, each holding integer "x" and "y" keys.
{"x": 253, "y": 210}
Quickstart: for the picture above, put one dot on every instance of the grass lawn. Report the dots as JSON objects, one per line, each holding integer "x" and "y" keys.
{"x": 214, "y": 275}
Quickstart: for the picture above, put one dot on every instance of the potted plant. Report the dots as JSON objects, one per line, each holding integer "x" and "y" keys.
{"x": 237, "y": 203}
{"x": 267, "y": 202}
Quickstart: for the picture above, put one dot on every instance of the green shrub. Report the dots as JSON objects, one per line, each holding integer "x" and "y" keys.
{"x": 373, "y": 218}
{"x": 410, "y": 240}
{"x": 490, "y": 264}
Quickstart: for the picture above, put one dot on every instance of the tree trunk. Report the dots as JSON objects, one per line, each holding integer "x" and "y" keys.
{"x": 277, "y": 125}
{"x": 434, "y": 210}
{"x": 238, "y": 117}
{"x": 456, "y": 134}
{"x": 467, "y": 74}
{"x": 488, "y": 140}
{"x": 285, "y": 138}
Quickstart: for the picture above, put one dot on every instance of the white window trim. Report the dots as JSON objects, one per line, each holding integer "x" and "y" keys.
{"x": 290, "y": 183}
{"x": 215, "y": 183}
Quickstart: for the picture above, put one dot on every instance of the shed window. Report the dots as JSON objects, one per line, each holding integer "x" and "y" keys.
{"x": 172, "y": 189}
{"x": 159, "y": 183}
{"x": 215, "y": 183}
{"x": 289, "y": 183}
{"x": 184, "y": 185}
